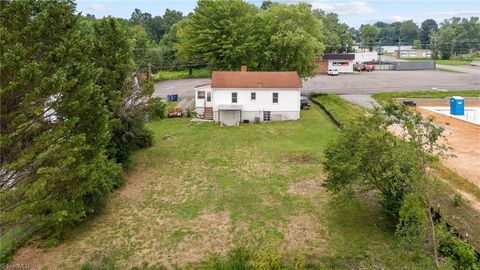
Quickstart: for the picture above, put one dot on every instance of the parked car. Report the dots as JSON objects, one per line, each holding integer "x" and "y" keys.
{"x": 332, "y": 72}
{"x": 304, "y": 104}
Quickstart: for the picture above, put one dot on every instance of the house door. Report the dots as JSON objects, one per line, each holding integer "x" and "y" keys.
{"x": 208, "y": 99}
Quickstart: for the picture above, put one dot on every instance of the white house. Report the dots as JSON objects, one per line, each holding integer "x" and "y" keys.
{"x": 234, "y": 97}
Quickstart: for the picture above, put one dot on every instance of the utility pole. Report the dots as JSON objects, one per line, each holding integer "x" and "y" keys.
{"x": 399, "y": 48}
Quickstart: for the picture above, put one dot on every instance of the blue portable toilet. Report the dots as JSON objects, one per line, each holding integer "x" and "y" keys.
{"x": 457, "y": 105}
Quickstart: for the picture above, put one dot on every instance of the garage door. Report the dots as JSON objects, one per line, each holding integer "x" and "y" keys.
{"x": 230, "y": 118}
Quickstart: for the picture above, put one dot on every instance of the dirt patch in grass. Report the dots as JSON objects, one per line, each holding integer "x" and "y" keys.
{"x": 33, "y": 258}
{"x": 308, "y": 187}
{"x": 304, "y": 234}
{"x": 299, "y": 158}
{"x": 210, "y": 234}
{"x": 135, "y": 190}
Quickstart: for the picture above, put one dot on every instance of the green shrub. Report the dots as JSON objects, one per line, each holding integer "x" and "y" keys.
{"x": 458, "y": 200}
{"x": 237, "y": 258}
{"x": 268, "y": 259}
{"x": 246, "y": 258}
{"x": 128, "y": 134}
{"x": 459, "y": 251}
{"x": 156, "y": 108}
{"x": 412, "y": 228}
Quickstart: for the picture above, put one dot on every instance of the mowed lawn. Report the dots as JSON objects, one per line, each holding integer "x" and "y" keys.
{"x": 210, "y": 188}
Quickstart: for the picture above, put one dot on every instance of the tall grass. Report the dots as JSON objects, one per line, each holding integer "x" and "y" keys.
{"x": 164, "y": 75}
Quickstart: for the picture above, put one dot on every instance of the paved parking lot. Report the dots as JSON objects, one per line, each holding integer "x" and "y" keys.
{"x": 464, "y": 69}
{"x": 358, "y": 83}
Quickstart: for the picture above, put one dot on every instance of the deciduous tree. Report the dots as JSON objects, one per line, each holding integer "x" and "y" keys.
{"x": 408, "y": 32}
{"x": 290, "y": 38}
{"x": 369, "y": 35}
{"x": 337, "y": 37}
{"x": 220, "y": 32}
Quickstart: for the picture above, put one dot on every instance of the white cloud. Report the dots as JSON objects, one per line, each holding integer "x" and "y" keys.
{"x": 451, "y": 13}
{"x": 345, "y": 8}
{"x": 395, "y": 19}
{"x": 97, "y": 7}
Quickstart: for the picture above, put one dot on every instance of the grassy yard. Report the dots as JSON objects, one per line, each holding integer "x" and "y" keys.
{"x": 182, "y": 74}
{"x": 341, "y": 109}
{"x": 385, "y": 96}
{"x": 209, "y": 188}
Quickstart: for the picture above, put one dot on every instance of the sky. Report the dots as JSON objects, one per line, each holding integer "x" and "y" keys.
{"x": 354, "y": 13}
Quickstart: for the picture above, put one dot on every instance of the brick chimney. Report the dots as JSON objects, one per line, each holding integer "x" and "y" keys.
{"x": 243, "y": 68}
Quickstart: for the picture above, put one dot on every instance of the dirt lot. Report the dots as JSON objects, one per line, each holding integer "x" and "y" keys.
{"x": 464, "y": 138}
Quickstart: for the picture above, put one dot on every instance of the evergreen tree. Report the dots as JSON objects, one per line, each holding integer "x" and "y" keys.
{"x": 54, "y": 120}
{"x": 113, "y": 56}
{"x": 425, "y": 30}
{"x": 170, "y": 18}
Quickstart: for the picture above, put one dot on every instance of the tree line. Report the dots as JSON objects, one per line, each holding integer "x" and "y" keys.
{"x": 225, "y": 34}
{"x": 455, "y": 36}
{"x": 72, "y": 112}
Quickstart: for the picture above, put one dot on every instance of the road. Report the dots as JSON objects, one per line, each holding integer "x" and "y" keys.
{"x": 358, "y": 83}
{"x": 183, "y": 88}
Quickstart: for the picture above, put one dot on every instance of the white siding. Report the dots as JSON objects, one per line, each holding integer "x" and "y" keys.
{"x": 200, "y": 103}
{"x": 335, "y": 64}
{"x": 366, "y": 57}
{"x": 287, "y": 108}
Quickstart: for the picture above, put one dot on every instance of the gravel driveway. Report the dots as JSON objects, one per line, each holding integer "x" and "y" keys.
{"x": 358, "y": 83}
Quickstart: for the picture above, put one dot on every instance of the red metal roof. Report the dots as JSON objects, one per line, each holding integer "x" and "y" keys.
{"x": 256, "y": 79}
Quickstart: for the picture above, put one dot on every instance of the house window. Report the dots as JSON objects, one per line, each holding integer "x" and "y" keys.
{"x": 234, "y": 97}
{"x": 209, "y": 96}
{"x": 253, "y": 96}
{"x": 266, "y": 116}
{"x": 275, "y": 97}
{"x": 201, "y": 94}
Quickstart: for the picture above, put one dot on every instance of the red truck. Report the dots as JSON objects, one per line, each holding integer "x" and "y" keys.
{"x": 365, "y": 67}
